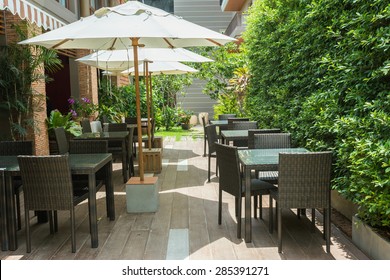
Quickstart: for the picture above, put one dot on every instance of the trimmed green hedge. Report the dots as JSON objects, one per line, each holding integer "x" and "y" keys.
{"x": 320, "y": 69}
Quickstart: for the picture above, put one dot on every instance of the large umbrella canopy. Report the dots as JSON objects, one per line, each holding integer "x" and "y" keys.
{"x": 112, "y": 28}
{"x": 119, "y": 60}
{"x": 162, "y": 67}
{"x": 135, "y": 25}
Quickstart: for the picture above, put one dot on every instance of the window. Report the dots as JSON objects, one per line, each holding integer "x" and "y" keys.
{"x": 64, "y": 3}
{"x": 166, "y": 5}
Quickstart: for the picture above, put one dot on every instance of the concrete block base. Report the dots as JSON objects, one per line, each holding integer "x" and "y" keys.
{"x": 142, "y": 196}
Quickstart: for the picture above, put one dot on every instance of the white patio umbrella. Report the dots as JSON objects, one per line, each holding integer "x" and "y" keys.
{"x": 119, "y": 60}
{"x": 131, "y": 24}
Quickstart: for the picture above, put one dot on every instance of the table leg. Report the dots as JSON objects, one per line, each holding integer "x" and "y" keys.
{"x": 93, "y": 210}
{"x": 124, "y": 161}
{"x": 4, "y": 234}
{"x": 248, "y": 220}
{"x": 110, "y": 202}
{"x": 11, "y": 215}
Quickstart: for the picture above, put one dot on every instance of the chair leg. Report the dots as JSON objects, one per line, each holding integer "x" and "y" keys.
{"x": 255, "y": 206}
{"x": 50, "y": 214}
{"x": 209, "y": 169}
{"x": 239, "y": 206}
{"x": 204, "y": 146}
{"x": 279, "y": 217}
{"x": 327, "y": 224}
{"x": 19, "y": 216}
{"x": 313, "y": 219}
{"x": 260, "y": 206}
{"x": 271, "y": 218}
{"x": 219, "y": 206}
{"x": 216, "y": 167}
{"x": 55, "y": 221}
{"x": 73, "y": 230}
{"x": 27, "y": 226}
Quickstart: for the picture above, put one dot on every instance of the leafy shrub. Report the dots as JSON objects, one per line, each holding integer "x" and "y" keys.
{"x": 320, "y": 70}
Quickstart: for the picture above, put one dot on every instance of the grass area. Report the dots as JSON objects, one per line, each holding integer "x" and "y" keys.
{"x": 178, "y": 132}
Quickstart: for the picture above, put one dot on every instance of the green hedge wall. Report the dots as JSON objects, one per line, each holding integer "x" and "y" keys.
{"x": 320, "y": 70}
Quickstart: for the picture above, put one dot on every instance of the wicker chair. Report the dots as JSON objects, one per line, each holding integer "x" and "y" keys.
{"x": 231, "y": 181}
{"x": 15, "y": 148}
{"x": 252, "y": 132}
{"x": 232, "y": 120}
{"x": 242, "y": 125}
{"x": 304, "y": 182}
{"x": 226, "y": 116}
{"x": 133, "y": 120}
{"x": 62, "y": 141}
{"x": 86, "y": 126}
{"x": 48, "y": 186}
{"x": 89, "y": 147}
{"x": 115, "y": 147}
{"x": 212, "y": 139}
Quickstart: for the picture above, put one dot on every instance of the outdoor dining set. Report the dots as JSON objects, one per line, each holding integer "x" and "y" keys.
{"x": 252, "y": 162}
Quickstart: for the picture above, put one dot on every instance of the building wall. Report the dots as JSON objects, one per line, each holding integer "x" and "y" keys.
{"x": 206, "y": 13}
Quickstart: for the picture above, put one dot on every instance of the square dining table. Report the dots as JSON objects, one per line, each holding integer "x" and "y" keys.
{"x": 86, "y": 164}
{"x": 233, "y": 135}
{"x": 258, "y": 159}
{"x": 112, "y": 136}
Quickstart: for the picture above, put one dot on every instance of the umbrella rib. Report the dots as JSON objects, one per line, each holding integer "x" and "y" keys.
{"x": 113, "y": 44}
{"x": 168, "y": 43}
{"x": 60, "y": 43}
{"x": 214, "y": 42}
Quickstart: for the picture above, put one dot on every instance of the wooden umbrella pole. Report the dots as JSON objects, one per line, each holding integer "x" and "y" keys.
{"x": 146, "y": 75}
{"x": 151, "y": 97}
{"x": 134, "y": 42}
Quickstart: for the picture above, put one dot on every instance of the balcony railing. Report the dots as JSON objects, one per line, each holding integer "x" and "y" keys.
{"x": 237, "y": 25}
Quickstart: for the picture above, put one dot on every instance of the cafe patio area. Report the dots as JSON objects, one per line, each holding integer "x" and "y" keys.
{"x": 185, "y": 225}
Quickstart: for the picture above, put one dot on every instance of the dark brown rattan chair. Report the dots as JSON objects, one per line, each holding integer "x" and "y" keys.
{"x": 304, "y": 182}
{"x": 231, "y": 181}
{"x": 212, "y": 139}
{"x": 226, "y": 116}
{"x": 86, "y": 126}
{"x": 270, "y": 141}
{"x": 48, "y": 186}
{"x": 115, "y": 147}
{"x": 252, "y": 132}
{"x": 242, "y": 125}
{"x": 15, "y": 148}
{"x": 62, "y": 141}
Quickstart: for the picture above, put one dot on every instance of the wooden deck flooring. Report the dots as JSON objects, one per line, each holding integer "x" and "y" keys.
{"x": 185, "y": 225}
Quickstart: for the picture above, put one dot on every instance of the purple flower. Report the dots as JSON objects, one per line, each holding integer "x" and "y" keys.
{"x": 74, "y": 114}
{"x": 71, "y": 101}
{"x": 86, "y": 100}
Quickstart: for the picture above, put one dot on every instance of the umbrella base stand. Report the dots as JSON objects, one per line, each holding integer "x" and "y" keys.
{"x": 152, "y": 160}
{"x": 142, "y": 196}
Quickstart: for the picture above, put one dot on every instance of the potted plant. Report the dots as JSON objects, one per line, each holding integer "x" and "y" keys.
{"x": 82, "y": 109}
{"x": 184, "y": 118}
{"x": 56, "y": 119}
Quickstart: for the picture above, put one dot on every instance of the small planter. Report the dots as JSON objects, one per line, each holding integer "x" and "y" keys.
{"x": 185, "y": 126}
{"x": 370, "y": 242}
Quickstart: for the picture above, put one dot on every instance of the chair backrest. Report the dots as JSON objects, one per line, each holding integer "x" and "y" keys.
{"x": 132, "y": 120}
{"x": 304, "y": 179}
{"x": 234, "y": 120}
{"x": 226, "y": 116}
{"x": 88, "y": 146}
{"x": 229, "y": 169}
{"x": 212, "y": 137}
{"x": 14, "y": 148}
{"x": 47, "y": 182}
{"x": 252, "y": 132}
{"x": 86, "y": 126}
{"x": 204, "y": 124}
{"x": 62, "y": 141}
{"x": 242, "y": 125}
{"x": 96, "y": 126}
{"x": 272, "y": 140}
{"x": 112, "y": 127}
